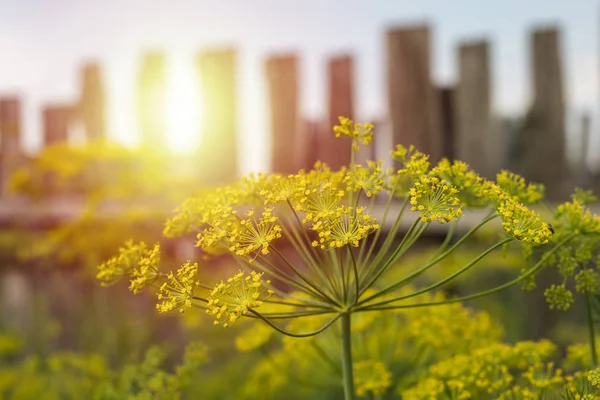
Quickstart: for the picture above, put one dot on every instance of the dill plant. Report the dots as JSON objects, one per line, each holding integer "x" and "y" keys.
{"x": 308, "y": 244}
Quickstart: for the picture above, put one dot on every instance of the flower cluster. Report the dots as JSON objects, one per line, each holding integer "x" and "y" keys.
{"x": 358, "y": 133}
{"x": 371, "y": 377}
{"x": 255, "y": 235}
{"x": 231, "y": 299}
{"x": 559, "y": 297}
{"x": 346, "y": 226}
{"x": 523, "y": 223}
{"x": 136, "y": 261}
{"x": 178, "y": 292}
{"x": 435, "y": 200}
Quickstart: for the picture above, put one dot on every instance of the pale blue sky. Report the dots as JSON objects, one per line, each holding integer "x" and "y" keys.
{"x": 42, "y": 44}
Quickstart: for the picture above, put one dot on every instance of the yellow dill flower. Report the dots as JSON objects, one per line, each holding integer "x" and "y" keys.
{"x": 574, "y": 217}
{"x": 357, "y": 132}
{"x": 523, "y": 223}
{"x": 471, "y": 187}
{"x": 123, "y": 264}
{"x": 593, "y": 377}
{"x": 515, "y": 186}
{"x": 371, "y": 376}
{"x": 179, "y": 291}
{"x": 368, "y": 179}
{"x": 543, "y": 375}
{"x": 347, "y": 225}
{"x": 435, "y": 200}
{"x": 229, "y": 300}
{"x": 252, "y": 235}
{"x": 254, "y": 337}
{"x": 413, "y": 161}
{"x": 147, "y": 271}
{"x": 586, "y": 281}
{"x": 559, "y": 297}
{"x": 322, "y": 202}
{"x": 281, "y": 189}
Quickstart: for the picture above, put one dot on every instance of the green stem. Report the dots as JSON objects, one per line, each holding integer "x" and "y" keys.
{"x": 430, "y": 264}
{"x": 590, "y": 320}
{"x": 521, "y": 278}
{"x": 356, "y": 281}
{"x": 448, "y": 278}
{"x": 347, "y": 367}
{"x": 296, "y": 335}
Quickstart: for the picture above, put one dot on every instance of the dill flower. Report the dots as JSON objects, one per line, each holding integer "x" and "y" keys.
{"x": 413, "y": 162}
{"x": 371, "y": 376}
{"x": 255, "y": 235}
{"x": 543, "y": 375}
{"x": 178, "y": 292}
{"x": 586, "y": 281}
{"x": 522, "y": 223}
{"x": 357, "y": 132}
{"x": 347, "y": 226}
{"x": 435, "y": 200}
{"x": 593, "y": 377}
{"x": 470, "y": 186}
{"x": 280, "y": 189}
{"x": 573, "y": 216}
{"x": 559, "y": 297}
{"x": 125, "y": 263}
{"x": 321, "y": 202}
{"x": 253, "y": 338}
{"x": 229, "y": 300}
{"x": 367, "y": 179}
{"x": 515, "y": 186}
{"x": 147, "y": 271}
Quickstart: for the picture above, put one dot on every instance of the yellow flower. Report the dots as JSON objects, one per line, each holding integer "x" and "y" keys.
{"x": 230, "y": 300}
{"x": 515, "y": 186}
{"x": 147, "y": 271}
{"x": 252, "y": 235}
{"x": 178, "y": 293}
{"x": 369, "y": 179}
{"x": 126, "y": 262}
{"x": 435, "y": 200}
{"x": 522, "y": 223}
{"x": 347, "y": 225}
{"x": 371, "y": 376}
{"x": 357, "y": 132}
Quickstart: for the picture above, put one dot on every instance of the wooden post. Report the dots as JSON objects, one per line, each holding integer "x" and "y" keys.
{"x": 411, "y": 97}
{"x": 335, "y": 152}
{"x": 219, "y": 123}
{"x": 542, "y": 155}
{"x": 446, "y": 97}
{"x": 475, "y": 143}
{"x": 56, "y": 123}
{"x": 10, "y": 135}
{"x": 151, "y": 101}
{"x": 92, "y": 102}
{"x": 282, "y": 78}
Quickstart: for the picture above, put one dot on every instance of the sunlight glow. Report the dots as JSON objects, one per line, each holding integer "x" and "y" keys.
{"x": 183, "y": 107}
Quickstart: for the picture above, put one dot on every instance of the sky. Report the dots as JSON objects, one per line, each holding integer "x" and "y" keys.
{"x": 44, "y": 42}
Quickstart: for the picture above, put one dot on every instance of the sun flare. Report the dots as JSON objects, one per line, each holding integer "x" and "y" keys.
{"x": 183, "y": 108}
